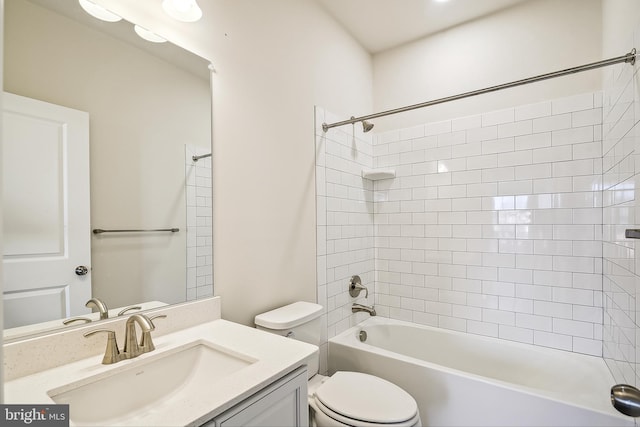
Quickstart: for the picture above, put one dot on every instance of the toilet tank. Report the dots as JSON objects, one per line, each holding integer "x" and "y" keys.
{"x": 299, "y": 320}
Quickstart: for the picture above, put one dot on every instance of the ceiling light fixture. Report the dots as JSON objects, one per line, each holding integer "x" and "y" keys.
{"x": 149, "y": 36}
{"x": 182, "y": 10}
{"x": 98, "y": 11}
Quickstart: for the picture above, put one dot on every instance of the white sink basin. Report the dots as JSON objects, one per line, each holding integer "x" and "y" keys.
{"x": 143, "y": 386}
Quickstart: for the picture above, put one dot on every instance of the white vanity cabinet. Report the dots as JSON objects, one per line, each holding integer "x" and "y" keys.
{"x": 215, "y": 373}
{"x": 282, "y": 403}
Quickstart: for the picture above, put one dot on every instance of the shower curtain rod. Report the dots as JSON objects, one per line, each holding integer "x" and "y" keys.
{"x": 628, "y": 58}
{"x": 196, "y": 158}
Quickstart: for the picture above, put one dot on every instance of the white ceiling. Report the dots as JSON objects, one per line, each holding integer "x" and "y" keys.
{"x": 383, "y": 24}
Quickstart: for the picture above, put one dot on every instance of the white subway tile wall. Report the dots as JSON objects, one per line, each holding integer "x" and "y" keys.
{"x": 497, "y": 230}
{"x": 199, "y": 202}
{"x": 492, "y": 225}
{"x": 621, "y": 138}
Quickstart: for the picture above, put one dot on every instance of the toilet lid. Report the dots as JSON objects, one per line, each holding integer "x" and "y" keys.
{"x": 367, "y": 398}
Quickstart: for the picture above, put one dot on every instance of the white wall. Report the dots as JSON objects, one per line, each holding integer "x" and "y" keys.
{"x": 529, "y": 39}
{"x": 275, "y": 60}
{"x": 291, "y": 56}
{"x": 619, "y": 20}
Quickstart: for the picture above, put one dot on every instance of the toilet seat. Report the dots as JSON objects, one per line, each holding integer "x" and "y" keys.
{"x": 359, "y": 399}
{"x": 326, "y": 417}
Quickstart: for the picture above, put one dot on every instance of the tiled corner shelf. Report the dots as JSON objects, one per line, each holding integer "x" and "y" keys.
{"x": 377, "y": 174}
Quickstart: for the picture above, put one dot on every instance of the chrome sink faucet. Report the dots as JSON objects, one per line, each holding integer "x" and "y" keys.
{"x": 100, "y": 306}
{"x": 132, "y": 348}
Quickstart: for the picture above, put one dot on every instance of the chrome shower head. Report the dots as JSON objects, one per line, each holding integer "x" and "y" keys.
{"x": 366, "y": 126}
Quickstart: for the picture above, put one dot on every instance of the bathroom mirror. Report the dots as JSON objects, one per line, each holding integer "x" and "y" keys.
{"x": 149, "y": 113}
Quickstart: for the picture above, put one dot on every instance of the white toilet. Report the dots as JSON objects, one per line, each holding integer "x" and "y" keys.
{"x": 345, "y": 398}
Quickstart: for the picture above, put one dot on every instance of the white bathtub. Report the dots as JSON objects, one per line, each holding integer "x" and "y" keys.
{"x": 467, "y": 380}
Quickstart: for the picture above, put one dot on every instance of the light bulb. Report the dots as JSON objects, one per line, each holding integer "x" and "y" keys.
{"x": 182, "y": 10}
{"x": 182, "y": 5}
{"x": 148, "y": 35}
{"x": 98, "y": 11}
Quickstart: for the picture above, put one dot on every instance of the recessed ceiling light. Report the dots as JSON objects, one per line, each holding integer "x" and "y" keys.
{"x": 182, "y": 10}
{"x": 149, "y": 36}
{"x": 98, "y": 11}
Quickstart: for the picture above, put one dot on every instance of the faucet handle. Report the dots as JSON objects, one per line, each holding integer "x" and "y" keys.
{"x": 146, "y": 343}
{"x": 126, "y": 309}
{"x": 112, "y": 353}
{"x": 157, "y": 316}
{"x": 356, "y": 286}
{"x": 76, "y": 319}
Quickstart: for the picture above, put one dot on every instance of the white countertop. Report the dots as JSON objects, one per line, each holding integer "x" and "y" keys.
{"x": 275, "y": 357}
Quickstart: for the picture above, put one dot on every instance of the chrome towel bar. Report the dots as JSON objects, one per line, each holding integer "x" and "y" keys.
{"x": 100, "y": 230}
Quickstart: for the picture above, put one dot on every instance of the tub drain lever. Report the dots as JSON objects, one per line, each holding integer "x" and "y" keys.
{"x": 626, "y": 399}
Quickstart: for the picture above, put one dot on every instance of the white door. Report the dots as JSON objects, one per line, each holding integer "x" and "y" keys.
{"x": 45, "y": 178}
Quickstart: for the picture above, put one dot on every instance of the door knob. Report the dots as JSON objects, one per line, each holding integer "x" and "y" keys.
{"x": 81, "y": 270}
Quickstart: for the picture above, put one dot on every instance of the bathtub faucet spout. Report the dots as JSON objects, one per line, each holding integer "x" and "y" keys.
{"x": 359, "y": 307}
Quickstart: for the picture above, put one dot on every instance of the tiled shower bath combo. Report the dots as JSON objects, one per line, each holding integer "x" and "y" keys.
{"x": 508, "y": 224}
